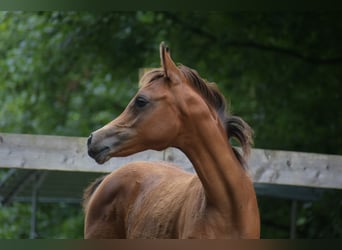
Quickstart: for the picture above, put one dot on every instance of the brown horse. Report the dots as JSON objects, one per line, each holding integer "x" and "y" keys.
{"x": 173, "y": 108}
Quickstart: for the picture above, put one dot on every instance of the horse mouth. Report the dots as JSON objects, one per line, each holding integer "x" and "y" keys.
{"x": 100, "y": 156}
{"x": 102, "y": 151}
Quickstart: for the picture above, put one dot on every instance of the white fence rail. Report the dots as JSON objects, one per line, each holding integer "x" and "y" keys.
{"x": 44, "y": 152}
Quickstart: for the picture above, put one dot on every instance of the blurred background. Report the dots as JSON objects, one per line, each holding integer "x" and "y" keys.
{"x": 68, "y": 73}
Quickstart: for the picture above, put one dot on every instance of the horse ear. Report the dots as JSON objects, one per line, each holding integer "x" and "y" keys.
{"x": 170, "y": 69}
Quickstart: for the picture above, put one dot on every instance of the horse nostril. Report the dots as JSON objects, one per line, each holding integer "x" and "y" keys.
{"x": 89, "y": 139}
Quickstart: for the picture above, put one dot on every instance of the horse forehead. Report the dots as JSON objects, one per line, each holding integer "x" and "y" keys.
{"x": 165, "y": 84}
{"x": 158, "y": 86}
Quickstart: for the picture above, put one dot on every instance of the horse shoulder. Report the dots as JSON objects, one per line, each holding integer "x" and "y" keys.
{"x": 122, "y": 192}
{"x": 109, "y": 202}
{"x": 155, "y": 211}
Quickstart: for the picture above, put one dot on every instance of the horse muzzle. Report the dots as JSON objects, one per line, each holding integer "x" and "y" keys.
{"x": 104, "y": 143}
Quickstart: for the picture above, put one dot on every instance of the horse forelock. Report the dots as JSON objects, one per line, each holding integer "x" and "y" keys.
{"x": 235, "y": 126}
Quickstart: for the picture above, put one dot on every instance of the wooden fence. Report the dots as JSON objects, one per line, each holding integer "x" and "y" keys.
{"x": 70, "y": 154}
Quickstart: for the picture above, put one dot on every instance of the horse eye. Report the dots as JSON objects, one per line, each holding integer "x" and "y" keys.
{"x": 140, "y": 102}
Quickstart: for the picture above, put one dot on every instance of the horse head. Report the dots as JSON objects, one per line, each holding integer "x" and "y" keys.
{"x": 152, "y": 119}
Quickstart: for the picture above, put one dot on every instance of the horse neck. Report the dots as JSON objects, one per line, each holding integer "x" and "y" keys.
{"x": 225, "y": 182}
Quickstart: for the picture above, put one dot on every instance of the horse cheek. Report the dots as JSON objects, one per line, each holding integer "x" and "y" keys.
{"x": 162, "y": 134}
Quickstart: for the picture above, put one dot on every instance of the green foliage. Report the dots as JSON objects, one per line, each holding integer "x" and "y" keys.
{"x": 321, "y": 219}
{"x": 67, "y": 73}
{"x": 15, "y": 221}
{"x": 68, "y": 218}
